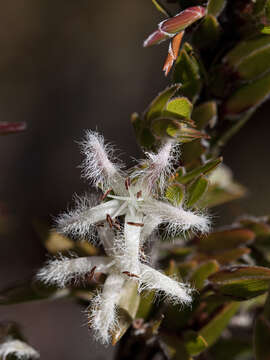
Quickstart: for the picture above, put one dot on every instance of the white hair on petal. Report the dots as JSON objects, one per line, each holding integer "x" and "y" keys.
{"x": 80, "y": 222}
{"x": 159, "y": 166}
{"x": 103, "y": 317}
{"x": 150, "y": 224}
{"x": 100, "y": 165}
{"x": 18, "y": 348}
{"x": 76, "y": 222}
{"x": 132, "y": 236}
{"x": 178, "y": 219}
{"x": 61, "y": 271}
{"x": 174, "y": 291}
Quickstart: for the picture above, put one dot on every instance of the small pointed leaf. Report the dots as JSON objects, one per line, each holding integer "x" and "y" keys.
{"x": 194, "y": 343}
{"x": 175, "y": 194}
{"x": 205, "y": 169}
{"x": 196, "y": 190}
{"x": 180, "y": 106}
{"x": 241, "y": 282}
{"x": 205, "y": 114}
{"x": 250, "y": 58}
{"x": 212, "y": 331}
{"x": 158, "y": 104}
{"x": 248, "y": 96}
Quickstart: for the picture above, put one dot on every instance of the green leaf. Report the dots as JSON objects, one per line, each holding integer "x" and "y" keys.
{"x": 187, "y": 72}
{"x": 196, "y": 190}
{"x": 208, "y": 32}
{"x": 260, "y": 227}
{"x": 175, "y": 194}
{"x": 158, "y": 104}
{"x": 173, "y": 127}
{"x": 212, "y": 331}
{"x": 224, "y": 240}
{"x": 202, "y": 170}
{"x": 180, "y": 106}
{"x": 223, "y": 257}
{"x": 241, "y": 282}
{"x": 205, "y": 114}
{"x": 128, "y": 307}
{"x": 248, "y": 96}
{"x": 215, "y": 7}
{"x": 250, "y": 58}
{"x": 194, "y": 343}
{"x": 222, "y": 188}
{"x": 201, "y": 273}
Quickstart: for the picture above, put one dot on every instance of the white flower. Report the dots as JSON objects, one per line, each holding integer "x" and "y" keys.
{"x": 137, "y": 196}
{"x": 17, "y": 348}
{"x": 103, "y": 317}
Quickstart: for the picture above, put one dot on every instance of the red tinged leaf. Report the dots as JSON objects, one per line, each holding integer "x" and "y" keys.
{"x": 182, "y": 20}
{"x": 11, "y": 127}
{"x": 173, "y": 52}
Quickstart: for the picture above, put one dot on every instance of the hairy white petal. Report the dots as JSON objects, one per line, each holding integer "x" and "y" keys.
{"x": 159, "y": 166}
{"x": 80, "y": 222}
{"x": 132, "y": 234}
{"x": 104, "y": 312}
{"x": 150, "y": 224}
{"x": 177, "y": 218}
{"x": 99, "y": 166}
{"x": 175, "y": 291}
{"x": 106, "y": 236}
{"x": 17, "y": 348}
{"x": 61, "y": 271}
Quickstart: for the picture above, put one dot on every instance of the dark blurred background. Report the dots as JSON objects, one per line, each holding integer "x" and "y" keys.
{"x": 67, "y": 66}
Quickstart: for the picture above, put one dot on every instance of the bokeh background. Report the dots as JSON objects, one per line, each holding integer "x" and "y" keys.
{"x": 67, "y": 66}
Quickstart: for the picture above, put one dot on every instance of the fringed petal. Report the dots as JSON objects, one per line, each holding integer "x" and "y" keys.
{"x": 171, "y": 289}
{"x": 103, "y": 311}
{"x": 60, "y": 272}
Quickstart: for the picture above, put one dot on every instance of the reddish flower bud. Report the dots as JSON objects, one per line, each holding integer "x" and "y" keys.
{"x": 182, "y": 20}
{"x": 155, "y": 38}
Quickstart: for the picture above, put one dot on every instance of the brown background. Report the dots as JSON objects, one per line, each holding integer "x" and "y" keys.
{"x": 66, "y": 66}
